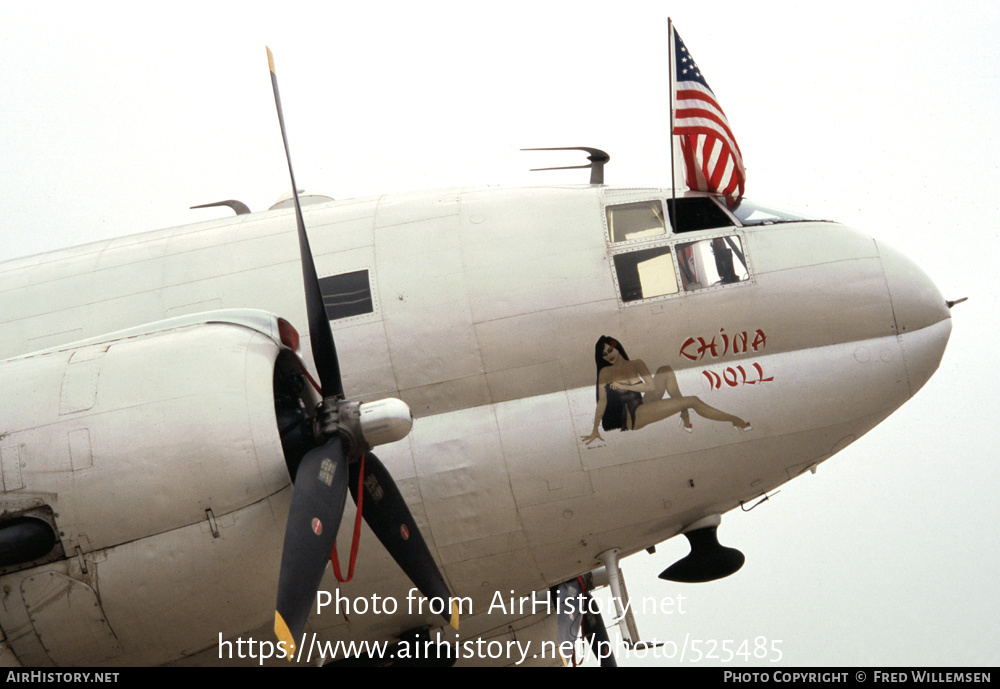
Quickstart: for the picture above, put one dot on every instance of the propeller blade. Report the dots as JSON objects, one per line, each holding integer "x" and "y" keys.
{"x": 576, "y": 611}
{"x": 569, "y": 605}
{"x": 386, "y": 513}
{"x": 320, "y": 336}
{"x": 597, "y": 635}
{"x": 318, "y": 499}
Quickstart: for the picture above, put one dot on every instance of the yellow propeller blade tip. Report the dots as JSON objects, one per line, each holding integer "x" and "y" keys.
{"x": 454, "y": 615}
{"x": 270, "y": 60}
{"x": 283, "y": 633}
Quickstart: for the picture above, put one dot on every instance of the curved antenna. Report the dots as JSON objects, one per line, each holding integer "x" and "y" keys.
{"x": 596, "y": 156}
{"x": 238, "y": 206}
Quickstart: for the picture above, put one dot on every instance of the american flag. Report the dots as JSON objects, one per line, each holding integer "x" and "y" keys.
{"x": 712, "y": 159}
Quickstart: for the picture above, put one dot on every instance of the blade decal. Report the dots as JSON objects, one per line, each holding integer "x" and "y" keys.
{"x": 326, "y": 472}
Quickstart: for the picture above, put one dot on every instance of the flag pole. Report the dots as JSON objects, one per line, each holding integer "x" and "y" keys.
{"x": 671, "y": 211}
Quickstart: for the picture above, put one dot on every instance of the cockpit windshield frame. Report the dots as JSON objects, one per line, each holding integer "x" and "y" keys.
{"x": 752, "y": 214}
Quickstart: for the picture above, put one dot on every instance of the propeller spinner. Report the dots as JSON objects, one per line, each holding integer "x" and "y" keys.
{"x": 321, "y": 480}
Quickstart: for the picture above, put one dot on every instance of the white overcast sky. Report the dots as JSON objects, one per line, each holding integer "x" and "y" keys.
{"x": 116, "y": 117}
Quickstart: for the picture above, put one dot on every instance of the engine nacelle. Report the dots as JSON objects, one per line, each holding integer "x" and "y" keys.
{"x": 147, "y": 431}
{"x": 154, "y": 460}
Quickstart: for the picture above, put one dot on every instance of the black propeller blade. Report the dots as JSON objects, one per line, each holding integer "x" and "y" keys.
{"x": 321, "y": 479}
{"x": 569, "y": 607}
{"x": 313, "y": 521}
{"x": 390, "y": 519}
{"x": 320, "y": 335}
{"x": 596, "y": 633}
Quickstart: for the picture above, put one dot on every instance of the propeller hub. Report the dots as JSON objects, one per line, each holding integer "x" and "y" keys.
{"x": 364, "y": 426}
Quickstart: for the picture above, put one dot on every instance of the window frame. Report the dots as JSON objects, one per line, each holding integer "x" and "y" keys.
{"x": 671, "y": 244}
{"x": 607, "y": 207}
{"x": 664, "y": 211}
{"x": 372, "y": 296}
{"x": 684, "y": 240}
{"x": 734, "y": 222}
{"x": 666, "y": 249}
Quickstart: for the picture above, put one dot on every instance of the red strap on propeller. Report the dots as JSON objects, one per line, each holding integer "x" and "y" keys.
{"x": 334, "y": 560}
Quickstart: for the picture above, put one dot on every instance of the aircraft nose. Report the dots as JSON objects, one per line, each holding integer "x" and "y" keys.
{"x": 923, "y": 319}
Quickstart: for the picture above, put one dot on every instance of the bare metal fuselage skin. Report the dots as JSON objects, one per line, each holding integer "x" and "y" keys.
{"x": 157, "y": 459}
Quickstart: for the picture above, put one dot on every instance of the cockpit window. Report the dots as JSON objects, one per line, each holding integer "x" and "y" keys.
{"x": 640, "y": 220}
{"x": 697, "y": 213}
{"x": 712, "y": 262}
{"x": 646, "y": 274}
{"x": 750, "y": 214}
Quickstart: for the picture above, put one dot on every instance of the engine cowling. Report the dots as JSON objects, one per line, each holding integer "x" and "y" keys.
{"x": 146, "y": 432}
{"x": 153, "y": 459}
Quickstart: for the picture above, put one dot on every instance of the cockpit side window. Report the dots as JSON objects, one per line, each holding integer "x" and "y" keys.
{"x": 697, "y": 213}
{"x": 645, "y": 274}
{"x": 712, "y": 262}
{"x": 679, "y": 267}
{"x": 639, "y": 220}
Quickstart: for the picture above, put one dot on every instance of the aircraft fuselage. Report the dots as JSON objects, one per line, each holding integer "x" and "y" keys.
{"x": 483, "y": 310}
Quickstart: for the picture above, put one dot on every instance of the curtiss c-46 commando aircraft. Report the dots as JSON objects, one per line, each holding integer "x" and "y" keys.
{"x": 588, "y": 371}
